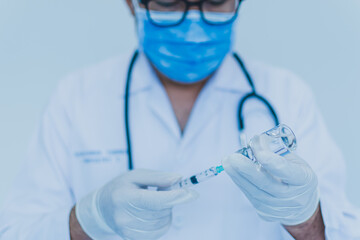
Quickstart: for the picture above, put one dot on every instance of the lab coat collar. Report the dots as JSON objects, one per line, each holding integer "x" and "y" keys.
{"x": 230, "y": 77}
{"x": 205, "y": 107}
{"x": 143, "y": 75}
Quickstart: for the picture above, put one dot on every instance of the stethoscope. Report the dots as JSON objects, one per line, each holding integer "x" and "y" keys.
{"x": 242, "y": 136}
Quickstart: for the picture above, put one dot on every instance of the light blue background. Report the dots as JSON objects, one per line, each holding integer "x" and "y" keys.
{"x": 41, "y": 41}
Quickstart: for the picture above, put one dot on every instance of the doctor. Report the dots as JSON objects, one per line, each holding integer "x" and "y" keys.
{"x": 112, "y": 130}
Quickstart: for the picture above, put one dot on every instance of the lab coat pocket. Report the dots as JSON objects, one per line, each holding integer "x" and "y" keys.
{"x": 94, "y": 168}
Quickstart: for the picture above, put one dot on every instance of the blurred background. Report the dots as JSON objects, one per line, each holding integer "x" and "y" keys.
{"x": 41, "y": 41}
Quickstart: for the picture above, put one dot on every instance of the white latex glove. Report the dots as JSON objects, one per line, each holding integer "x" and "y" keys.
{"x": 125, "y": 207}
{"x": 284, "y": 189}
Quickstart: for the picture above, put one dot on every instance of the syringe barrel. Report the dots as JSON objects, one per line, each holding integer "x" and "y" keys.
{"x": 198, "y": 178}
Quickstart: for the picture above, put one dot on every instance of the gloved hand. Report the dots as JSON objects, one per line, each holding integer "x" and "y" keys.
{"x": 125, "y": 207}
{"x": 284, "y": 189}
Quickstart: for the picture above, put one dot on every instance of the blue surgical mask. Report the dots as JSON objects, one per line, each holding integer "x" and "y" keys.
{"x": 188, "y": 52}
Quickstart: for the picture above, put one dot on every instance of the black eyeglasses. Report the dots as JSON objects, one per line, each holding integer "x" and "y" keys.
{"x": 213, "y": 12}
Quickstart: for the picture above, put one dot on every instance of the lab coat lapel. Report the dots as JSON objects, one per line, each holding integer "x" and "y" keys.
{"x": 203, "y": 112}
{"x": 159, "y": 104}
{"x": 142, "y": 78}
{"x": 229, "y": 79}
{"x": 145, "y": 81}
{"x": 205, "y": 107}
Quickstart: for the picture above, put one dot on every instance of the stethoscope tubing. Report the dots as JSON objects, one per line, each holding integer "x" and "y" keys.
{"x": 241, "y": 124}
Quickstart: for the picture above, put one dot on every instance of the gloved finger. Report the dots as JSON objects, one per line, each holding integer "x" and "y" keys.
{"x": 237, "y": 165}
{"x": 260, "y": 142}
{"x": 289, "y": 216}
{"x": 148, "y": 214}
{"x": 290, "y": 169}
{"x": 269, "y": 207}
{"x": 275, "y": 206}
{"x": 257, "y": 195}
{"x": 134, "y": 219}
{"x": 158, "y": 200}
{"x": 276, "y": 216}
{"x": 138, "y": 221}
{"x": 282, "y": 204}
{"x": 139, "y": 233}
{"x": 144, "y": 177}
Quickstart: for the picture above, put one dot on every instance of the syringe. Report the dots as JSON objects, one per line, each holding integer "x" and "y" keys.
{"x": 198, "y": 178}
{"x": 281, "y": 140}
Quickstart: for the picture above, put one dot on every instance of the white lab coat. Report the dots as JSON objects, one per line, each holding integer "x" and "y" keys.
{"x": 80, "y": 145}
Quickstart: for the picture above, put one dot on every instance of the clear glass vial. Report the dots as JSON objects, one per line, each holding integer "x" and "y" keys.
{"x": 280, "y": 140}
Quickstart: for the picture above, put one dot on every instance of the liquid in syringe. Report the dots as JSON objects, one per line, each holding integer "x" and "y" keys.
{"x": 198, "y": 178}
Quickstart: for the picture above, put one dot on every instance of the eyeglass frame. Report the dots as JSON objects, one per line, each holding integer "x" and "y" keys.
{"x": 189, "y": 4}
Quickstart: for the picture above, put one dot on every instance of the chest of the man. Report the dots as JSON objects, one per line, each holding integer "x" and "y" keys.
{"x": 99, "y": 146}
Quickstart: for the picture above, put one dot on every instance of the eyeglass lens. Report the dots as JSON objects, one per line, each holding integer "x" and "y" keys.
{"x": 214, "y": 11}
